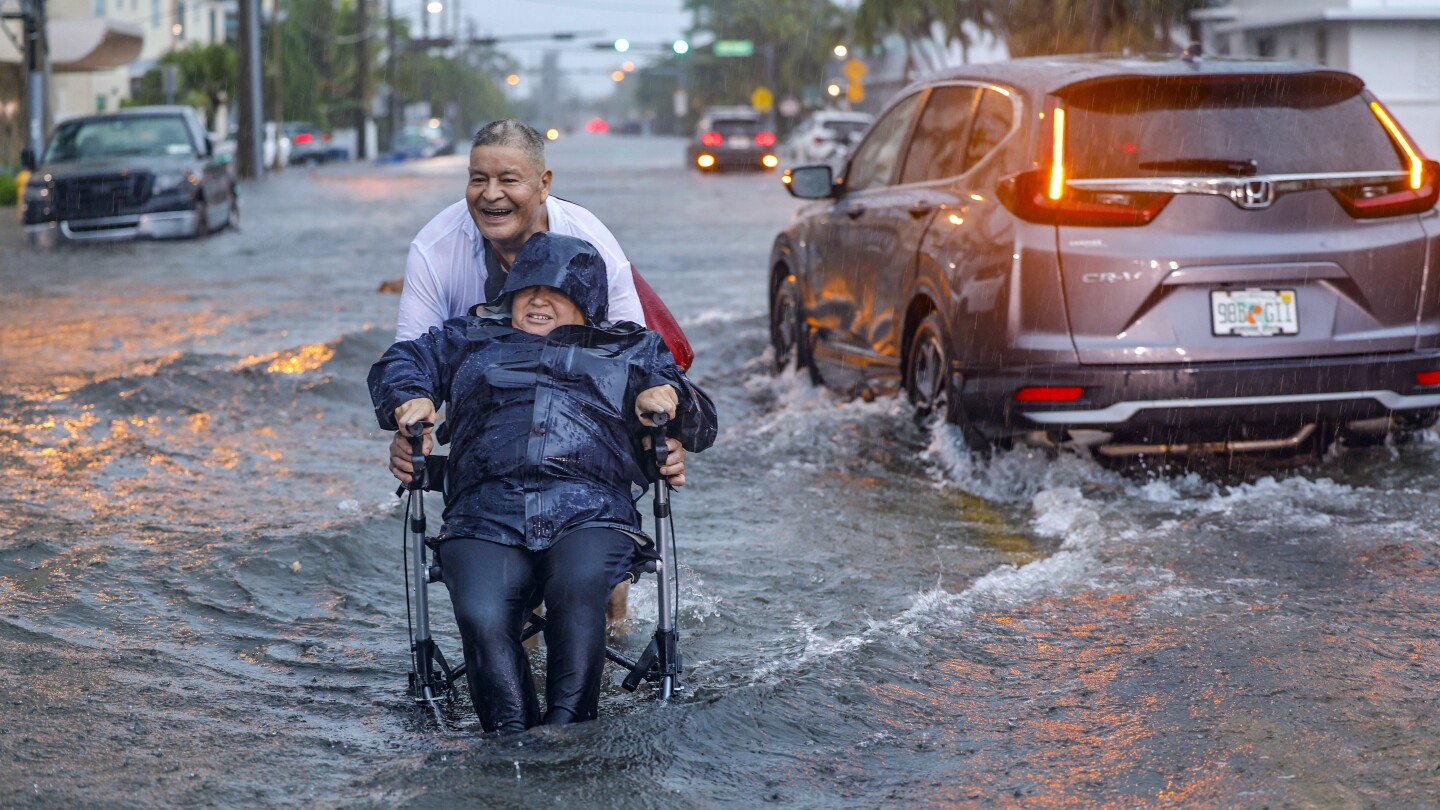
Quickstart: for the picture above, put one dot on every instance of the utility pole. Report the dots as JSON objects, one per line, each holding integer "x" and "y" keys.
{"x": 249, "y": 158}
{"x": 392, "y": 54}
{"x": 37, "y": 74}
{"x": 362, "y": 79}
{"x": 276, "y": 52}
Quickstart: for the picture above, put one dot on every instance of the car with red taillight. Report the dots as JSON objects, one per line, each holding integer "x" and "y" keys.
{"x": 732, "y": 138}
{"x": 1140, "y": 255}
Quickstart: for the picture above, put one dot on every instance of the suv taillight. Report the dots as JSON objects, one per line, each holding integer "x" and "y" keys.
{"x": 1414, "y": 194}
{"x": 1027, "y": 195}
{"x": 1376, "y": 200}
{"x": 764, "y": 139}
{"x": 1041, "y": 195}
{"x": 712, "y": 139}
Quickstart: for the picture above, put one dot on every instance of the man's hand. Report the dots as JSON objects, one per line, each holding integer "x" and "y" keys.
{"x": 674, "y": 468}
{"x": 651, "y": 400}
{"x": 416, "y": 410}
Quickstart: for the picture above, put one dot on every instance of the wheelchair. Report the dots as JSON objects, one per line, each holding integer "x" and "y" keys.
{"x": 432, "y": 678}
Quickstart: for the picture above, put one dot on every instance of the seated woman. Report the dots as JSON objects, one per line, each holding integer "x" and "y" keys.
{"x": 548, "y": 406}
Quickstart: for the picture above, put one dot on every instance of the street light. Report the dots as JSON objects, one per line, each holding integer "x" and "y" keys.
{"x": 833, "y": 90}
{"x": 628, "y": 67}
{"x": 622, "y": 45}
{"x": 618, "y": 76}
{"x": 681, "y": 47}
{"x": 435, "y": 6}
{"x": 513, "y": 79}
{"x": 841, "y": 51}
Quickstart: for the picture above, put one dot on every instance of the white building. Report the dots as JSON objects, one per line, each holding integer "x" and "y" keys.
{"x": 1393, "y": 45}
{"x": 97, "y": 48}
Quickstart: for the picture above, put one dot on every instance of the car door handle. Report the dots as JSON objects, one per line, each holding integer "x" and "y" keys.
{"x": 920, "y": 209}
{"x": 855, "y": 210}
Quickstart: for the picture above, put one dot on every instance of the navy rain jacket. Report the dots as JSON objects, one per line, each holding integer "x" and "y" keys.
{"x": 545, "y": 438}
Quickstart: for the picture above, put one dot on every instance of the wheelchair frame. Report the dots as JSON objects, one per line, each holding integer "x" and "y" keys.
{"x": 431, "y": 675}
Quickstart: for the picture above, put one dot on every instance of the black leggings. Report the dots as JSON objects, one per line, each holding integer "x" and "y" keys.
{"x": 494, "y": 588}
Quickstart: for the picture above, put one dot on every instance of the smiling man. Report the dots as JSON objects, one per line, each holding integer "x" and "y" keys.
{"x": 462, "y": 257}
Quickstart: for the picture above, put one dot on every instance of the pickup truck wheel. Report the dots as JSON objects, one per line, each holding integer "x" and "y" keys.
{"x": 202, "y": 219}
{"x": 233, "y": 220}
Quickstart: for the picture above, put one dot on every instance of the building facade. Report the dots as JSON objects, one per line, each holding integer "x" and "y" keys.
{"x": 1394, "y": 45}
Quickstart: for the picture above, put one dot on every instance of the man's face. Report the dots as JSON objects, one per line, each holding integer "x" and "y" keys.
{"x": 506, "y": 194}
{"x": 538, "y": 310}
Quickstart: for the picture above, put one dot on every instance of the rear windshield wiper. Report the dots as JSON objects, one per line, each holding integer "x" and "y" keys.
{"x": 1238, "y": 168}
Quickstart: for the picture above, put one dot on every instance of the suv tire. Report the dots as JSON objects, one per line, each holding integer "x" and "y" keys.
{"x": 788, "y": 336}
{"x": 927, "y": 382}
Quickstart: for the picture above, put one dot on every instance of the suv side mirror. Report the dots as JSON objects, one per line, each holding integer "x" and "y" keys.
{"x": 27, "y": 159}
{"x": 209, "y": 145}
{"x": 810, "y": 182}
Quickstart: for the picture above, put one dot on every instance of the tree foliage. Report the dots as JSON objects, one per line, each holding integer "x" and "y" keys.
{"x": 206, "y": 77}
{"x": 1034, "y": 27}
{"x": 793, "y": 40}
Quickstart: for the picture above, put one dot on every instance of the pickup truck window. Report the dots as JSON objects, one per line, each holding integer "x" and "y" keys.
{"x": 120, "y": 137}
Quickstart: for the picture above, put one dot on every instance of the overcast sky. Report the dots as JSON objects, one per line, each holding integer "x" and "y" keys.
{"x": 647, "y": 23}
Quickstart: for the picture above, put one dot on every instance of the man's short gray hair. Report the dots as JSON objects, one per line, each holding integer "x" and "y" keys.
{"x": 516, "y": 135}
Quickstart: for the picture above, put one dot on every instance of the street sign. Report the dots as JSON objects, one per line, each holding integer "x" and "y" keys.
{"x": 789, "y": 106}
{"x": 734, "y": 47}
{"x": 854, "y": 70}
{"x": 762, "y": 99}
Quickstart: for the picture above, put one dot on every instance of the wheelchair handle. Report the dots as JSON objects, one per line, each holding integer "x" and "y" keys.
{"x": 657, "y": 437}
{"x": 416, "y": 435}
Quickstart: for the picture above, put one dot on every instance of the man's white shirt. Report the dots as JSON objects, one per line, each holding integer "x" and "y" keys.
{"x": 445, "y": 272}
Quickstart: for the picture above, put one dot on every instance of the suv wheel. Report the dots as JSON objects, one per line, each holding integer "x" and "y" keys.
{"x": 787, "y": 331}
{"x": 927, "y": 382}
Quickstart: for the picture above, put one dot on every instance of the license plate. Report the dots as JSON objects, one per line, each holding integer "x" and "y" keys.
{"x": 739, "y": 141}
{"x": 1254, "y": 313}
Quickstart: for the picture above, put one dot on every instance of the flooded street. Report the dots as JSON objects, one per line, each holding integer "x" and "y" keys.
{"x": 201, "y": 598}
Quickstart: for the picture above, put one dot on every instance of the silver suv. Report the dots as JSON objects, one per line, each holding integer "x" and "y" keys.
{"x": 1140, "y": 255}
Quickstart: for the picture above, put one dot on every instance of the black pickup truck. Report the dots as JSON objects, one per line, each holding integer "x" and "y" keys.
{"x": 144, "y": 172}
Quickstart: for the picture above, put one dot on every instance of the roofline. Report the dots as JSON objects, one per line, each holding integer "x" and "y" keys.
{"x": 1234, "y": 25}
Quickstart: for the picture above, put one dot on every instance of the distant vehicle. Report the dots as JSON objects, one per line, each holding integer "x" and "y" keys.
{"x": 1128, "y": 254}
{"x": 597, "y": 126}
{"x": 420, "y": 142}
{"x": 141, "y": 172}
{"x": 732, "y": 138}
{"x": 827, "y": 136}
{"x": 309, "y": 145}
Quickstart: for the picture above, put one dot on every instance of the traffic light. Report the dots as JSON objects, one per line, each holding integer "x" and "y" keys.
{"x": 681, "y": 47}
{"x": 622, "y": 45}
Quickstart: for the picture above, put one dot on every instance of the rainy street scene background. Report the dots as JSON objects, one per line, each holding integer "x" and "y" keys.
{"x": 202, "y": 591}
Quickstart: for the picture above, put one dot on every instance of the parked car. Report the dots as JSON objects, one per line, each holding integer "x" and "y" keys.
{"x": 1131, "y": 254}
{"x": 827, "y": 136}
{"x": 309, "y": 145}
{"x": 141, "y": 172}
{"x": 732, "y": 138}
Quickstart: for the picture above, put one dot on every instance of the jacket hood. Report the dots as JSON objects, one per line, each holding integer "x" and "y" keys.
{"x": 572, "y": 266}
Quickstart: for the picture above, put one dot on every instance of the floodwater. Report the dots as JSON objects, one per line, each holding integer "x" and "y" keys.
{"x": 201, "y": 600}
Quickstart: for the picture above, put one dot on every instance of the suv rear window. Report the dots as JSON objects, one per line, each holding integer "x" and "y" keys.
{"x": 734, "y": 126}
{"x": 1223, "y": 126}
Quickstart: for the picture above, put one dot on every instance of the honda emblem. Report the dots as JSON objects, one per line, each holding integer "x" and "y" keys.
{"x": 1254, "y": 194}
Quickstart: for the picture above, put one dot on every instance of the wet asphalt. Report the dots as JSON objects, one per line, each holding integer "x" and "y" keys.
{"x": 201, "y": 601}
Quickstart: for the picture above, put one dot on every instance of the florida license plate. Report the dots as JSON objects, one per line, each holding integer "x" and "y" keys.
{"x": 1254, "y": 313}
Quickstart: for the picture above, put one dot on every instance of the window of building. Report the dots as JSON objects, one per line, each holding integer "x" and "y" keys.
{"x": 154, "y": 13}
{"x": 99, "y": 8}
